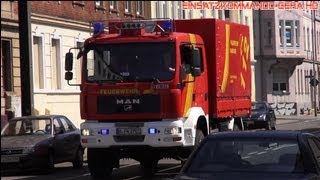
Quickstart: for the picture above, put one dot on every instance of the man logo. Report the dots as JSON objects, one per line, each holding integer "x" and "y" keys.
{"x": 128, "y": 101}
{"x": 127, "y": 107}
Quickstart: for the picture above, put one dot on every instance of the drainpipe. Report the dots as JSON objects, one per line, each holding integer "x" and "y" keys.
{"x": 261, "y": 61}
{"x": 25, "y": 58}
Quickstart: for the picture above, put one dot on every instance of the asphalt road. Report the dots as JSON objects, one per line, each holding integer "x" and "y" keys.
{"x": 131, "y": 170}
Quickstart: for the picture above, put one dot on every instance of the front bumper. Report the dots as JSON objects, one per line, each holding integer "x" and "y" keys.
{"x": 97, "y": 139}
{"x": 254, "y": 124}
{"x": 22, "y": 161}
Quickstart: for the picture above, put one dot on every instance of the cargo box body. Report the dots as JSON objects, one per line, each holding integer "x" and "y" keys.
{"x": 228, "y": 64}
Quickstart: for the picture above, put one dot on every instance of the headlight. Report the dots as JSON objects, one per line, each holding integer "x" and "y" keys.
{"x": 262, "y": 117}
{"x": 28, "y": 150}
{"x": 86, "y": 132}
{"x": 172, "y": 130}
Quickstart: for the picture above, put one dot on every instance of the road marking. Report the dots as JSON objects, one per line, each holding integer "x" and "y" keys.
{"x": 174, "y": 167}
{"x": 255, "y": 152}
{"x": 263, "y": 152}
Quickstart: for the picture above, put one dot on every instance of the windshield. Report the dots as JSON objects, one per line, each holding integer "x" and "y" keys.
{"x": 131, "y": 62}
{"x": 247, "y": 155}
{"x": 258, "y": 107}
{"x": 27, "y": 127}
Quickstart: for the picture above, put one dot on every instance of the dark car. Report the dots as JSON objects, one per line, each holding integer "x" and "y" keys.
{"x": 40, "y": 142}
{"x": 248, "y": 155}
{"x": 262, "y": 116}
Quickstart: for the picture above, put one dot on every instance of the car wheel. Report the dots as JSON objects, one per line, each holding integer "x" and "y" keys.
{"x": 99, "y": 164}
{"x": 78, "y": 161}
{"x": 149, "y": 166}
{"x": 236, "y": 127}
{"x": 50, "y": 161}
{"x": 268, "y": 126}
{"x": 199, "y": 137}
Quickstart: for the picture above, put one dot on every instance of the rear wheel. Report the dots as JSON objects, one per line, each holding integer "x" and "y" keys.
{"x": 99, "y": 163}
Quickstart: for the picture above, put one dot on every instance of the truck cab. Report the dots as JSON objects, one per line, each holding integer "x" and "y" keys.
{"x": 145, "y": 93}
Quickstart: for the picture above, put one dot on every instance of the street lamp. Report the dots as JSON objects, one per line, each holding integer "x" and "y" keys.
{"x": 314, "y": 57}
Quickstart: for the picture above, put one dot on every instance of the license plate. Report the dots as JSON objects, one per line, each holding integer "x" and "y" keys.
{"x": 129, "y": 131}
{"x": 7, "y": 159}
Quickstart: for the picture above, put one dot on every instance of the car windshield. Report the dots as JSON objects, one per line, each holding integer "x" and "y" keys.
{"x": 248, "y": 155}
{"x": 27, "y": 127}
{"x": 131, "y": 62}
{"x": 259, "y": 107}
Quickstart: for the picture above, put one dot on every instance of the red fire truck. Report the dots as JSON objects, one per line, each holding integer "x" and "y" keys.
{"x": 153, "y": 89}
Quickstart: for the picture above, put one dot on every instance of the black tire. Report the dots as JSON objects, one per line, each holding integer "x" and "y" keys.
{"x": 236, "y": 127}
{"x": 149, "y": 166}
{"x": 99, "y": 165}
{"x": 199, "y": 137}
{"x": 78, "y": 161}
{"x": 49, "y": 166}
{"x": 268, "y": 126}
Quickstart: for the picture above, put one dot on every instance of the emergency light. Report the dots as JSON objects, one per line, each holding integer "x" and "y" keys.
{"x": 98, "y": 27}
{"x": 167, "y": 26}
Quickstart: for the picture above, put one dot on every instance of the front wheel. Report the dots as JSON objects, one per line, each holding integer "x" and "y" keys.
{"x": 149, "y": 166}
{"x": 199, "y": 137}
{"x": 100, "y": 166}
{"x": 78, "y": 161}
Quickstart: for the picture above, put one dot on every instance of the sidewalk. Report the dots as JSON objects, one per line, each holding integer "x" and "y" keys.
{"x": 299, "y": 117}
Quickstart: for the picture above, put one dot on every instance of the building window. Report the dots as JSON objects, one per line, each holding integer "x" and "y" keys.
{"x": 241, "y": 16}
{"x": 297, "y": 33}
{"x": 179, "y": 10}
{"x": 6, "y": 63}
{"x": 227, "y": 15}
{"x": 165, "y": 9}
{"x": 190, "y": 14}
{"x": 213, "y": 13}
{"x": 173, "y": 16}
{"x": 127, "y": 6}
{"x": 202, "y": 13}
{"x": 99, "y": 3}
{"x": 280, "y": 80}
{"x": 269, "y": 33}
{"x": 298, "y": 77}
{"x": 55, "y": 64}
{"x": 140, "y": 8}
{"x": 38, "y": 62}
{"x": 304, "y": 38}
{"x": 301, "y": 80}
{"x": 220, "y": 16}
{"x": 113, "y": 5}
{"x": 289, "y": 33}
{"x": 157, "y": 9}
{"x": 308, "y": 40}
{"x": 281, "y": 32}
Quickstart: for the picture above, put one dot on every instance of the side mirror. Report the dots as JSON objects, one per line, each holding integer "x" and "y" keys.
{"x": 183, "y": 72}
{"x": 68, "y": 76}
{"x": 196, "y": 71}
{"x": 196, "y": 58}
{"x": 68, "y": 61}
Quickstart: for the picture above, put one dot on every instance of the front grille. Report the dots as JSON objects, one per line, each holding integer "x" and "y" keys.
{"x": 128, "y": 104}
{"x": 11, "y": 151}
{"x": 139, "y": 138}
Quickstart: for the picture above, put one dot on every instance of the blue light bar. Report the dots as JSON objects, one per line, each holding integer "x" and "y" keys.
{"x": 167, "y": 26}
{"x": 104, "y": 131}
{"x": 98, "y": 27}
{"x": 152, "y": 131}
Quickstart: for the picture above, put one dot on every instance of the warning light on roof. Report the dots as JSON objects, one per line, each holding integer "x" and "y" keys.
{"x": 98, "y": 27}
{"x": 167, "y": 25}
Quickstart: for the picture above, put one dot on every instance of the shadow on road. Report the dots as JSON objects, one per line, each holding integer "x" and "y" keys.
{"x": 315, "y": 131}
{"x": 126, "y": 171}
